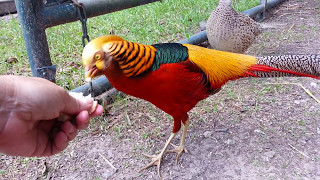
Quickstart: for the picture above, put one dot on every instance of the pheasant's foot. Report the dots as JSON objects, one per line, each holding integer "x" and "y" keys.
{"x": 179, "y": 150}
{"x": 156, "y": 161}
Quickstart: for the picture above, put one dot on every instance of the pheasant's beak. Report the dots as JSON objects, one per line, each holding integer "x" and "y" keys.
{"x": 90, "y": 73}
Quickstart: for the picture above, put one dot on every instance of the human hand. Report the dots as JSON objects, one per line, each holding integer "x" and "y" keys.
{"x": 29, "y": 108}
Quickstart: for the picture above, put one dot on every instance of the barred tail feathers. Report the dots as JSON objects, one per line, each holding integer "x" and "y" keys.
{"x": 286, "y": 65}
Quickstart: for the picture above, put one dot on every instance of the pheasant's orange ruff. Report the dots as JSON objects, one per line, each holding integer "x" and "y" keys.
{"x": 135, "y": 58}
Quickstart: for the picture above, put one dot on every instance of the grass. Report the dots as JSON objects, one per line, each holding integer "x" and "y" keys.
{"x": 166, "y": 21}
{"x": 2, "y": 171}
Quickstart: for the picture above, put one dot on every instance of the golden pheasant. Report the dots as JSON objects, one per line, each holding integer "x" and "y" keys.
{"x": 229, "y": 30}
{"x": 175, "y": 77}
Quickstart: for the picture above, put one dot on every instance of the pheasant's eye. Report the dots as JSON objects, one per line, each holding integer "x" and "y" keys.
{"x": 98, "y": 56}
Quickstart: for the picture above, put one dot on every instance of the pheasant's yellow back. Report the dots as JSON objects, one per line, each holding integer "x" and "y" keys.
{"x": 220, "y": 66}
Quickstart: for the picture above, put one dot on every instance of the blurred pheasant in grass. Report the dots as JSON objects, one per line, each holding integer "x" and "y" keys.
{"x": 229, "y": 30}
{"x": 175, "y": 77}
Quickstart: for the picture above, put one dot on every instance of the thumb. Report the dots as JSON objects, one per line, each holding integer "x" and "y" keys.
{"x": 75, "y": 106}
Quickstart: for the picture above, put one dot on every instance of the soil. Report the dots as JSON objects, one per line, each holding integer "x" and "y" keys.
{"x": 251, "y": 129}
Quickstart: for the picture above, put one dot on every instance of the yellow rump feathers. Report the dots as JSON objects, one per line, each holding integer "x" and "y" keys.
{"x": 220, "y": 66}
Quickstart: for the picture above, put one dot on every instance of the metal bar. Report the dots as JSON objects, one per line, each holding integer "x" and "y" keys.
{"x": 261, "y": 16}
{"x": 67, "y": 12}
{"x": 5, "y": 1}
{"x": 7, "y": 7}
{"x": 35, "y": 38}
{"x": 99, "y": 7}
{"x": 258, "y": 9}
{"x": 273, "y": 3}
{"x": 99, "y": 85}
{"x": 195, "y": 39}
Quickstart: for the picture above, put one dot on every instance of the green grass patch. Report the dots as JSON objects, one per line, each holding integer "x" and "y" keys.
{"x": 166, "y": 21}
{"x": 2, "y": 171}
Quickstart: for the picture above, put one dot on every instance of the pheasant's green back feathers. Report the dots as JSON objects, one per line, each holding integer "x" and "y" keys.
{"x": 169, "y": 53}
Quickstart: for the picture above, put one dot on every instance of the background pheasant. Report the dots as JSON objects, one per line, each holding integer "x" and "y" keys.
{"x": 229, "y": 30}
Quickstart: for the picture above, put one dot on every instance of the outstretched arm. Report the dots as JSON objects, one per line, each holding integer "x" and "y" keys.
{"x": 29, "y": 108}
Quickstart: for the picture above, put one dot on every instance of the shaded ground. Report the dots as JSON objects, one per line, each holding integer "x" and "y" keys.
{"x": 273, "y": 131}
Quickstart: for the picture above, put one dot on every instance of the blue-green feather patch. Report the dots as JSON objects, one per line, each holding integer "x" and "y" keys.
{"x": 169, "y": 53}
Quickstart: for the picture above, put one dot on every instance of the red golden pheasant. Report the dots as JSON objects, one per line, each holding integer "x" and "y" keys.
{"x": 175, "y": 77}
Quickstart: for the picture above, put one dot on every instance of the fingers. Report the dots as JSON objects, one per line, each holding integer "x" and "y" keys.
{"x": 67, "y": 132}
{"x": 61, "y": 140}
{"x": 75, "y": 106}
{"x": 69, "y": 129}
{"x": 60, "y": 143}
{"x": 82, "y": 120}
{"x": 99, "y": 110}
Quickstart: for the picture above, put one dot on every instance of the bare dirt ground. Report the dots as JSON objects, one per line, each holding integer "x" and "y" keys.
{"x": 249, "y": 130}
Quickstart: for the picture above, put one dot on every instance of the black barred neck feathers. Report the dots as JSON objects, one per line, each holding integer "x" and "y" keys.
{"x": 135, "y": 59}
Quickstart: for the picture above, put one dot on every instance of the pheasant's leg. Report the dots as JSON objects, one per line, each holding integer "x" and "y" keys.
{"x": 181, "y": 148}
{"x": 156, "y": 159}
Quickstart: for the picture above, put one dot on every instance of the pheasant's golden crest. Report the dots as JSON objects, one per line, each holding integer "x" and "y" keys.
{"x": 96, "y": 45}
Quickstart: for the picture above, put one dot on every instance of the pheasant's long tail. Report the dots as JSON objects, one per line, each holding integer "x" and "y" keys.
{"x": 286, "y": 65}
